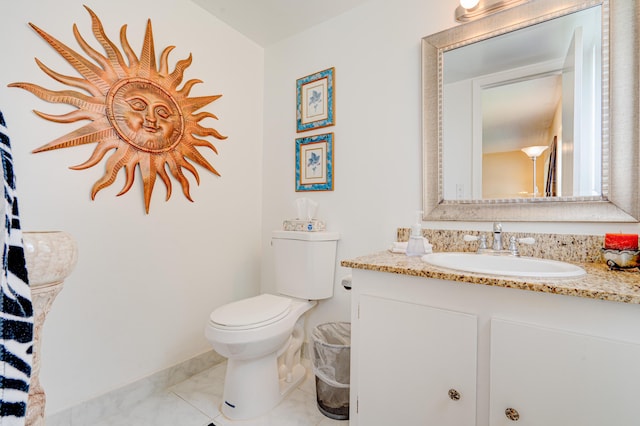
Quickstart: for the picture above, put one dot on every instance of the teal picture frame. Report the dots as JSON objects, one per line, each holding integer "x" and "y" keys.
{"x": 315, "y": 100}
{"x": 314, "y": 163}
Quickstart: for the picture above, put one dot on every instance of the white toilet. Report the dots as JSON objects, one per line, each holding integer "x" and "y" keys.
{"x": 262, "y": 336}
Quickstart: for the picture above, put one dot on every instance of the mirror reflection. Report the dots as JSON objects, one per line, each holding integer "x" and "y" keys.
{"x": 521, "y": 112}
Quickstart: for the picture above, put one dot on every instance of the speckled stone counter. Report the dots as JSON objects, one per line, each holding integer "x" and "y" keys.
{"x": 599, "y": 283}
{"x": 566, "y": 247}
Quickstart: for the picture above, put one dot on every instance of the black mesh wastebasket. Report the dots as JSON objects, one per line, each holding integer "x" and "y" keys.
{"x": 331, "y": 357}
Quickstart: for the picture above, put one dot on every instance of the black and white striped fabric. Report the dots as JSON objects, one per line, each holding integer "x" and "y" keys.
{"x": 16, "y": 312}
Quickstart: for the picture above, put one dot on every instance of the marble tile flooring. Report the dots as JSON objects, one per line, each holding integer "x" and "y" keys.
{"x": 196, "y": 402}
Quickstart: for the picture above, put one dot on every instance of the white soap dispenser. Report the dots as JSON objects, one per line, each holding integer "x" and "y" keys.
{"x": 415, "y": 247}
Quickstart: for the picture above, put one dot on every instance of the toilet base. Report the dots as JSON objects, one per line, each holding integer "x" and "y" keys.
{"x": 252, "y": 388}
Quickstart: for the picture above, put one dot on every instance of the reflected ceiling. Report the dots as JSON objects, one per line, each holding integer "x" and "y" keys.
{"x": 516, "y": 114}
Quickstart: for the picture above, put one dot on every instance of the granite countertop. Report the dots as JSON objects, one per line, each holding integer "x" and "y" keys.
{"x": 599, "y": 283}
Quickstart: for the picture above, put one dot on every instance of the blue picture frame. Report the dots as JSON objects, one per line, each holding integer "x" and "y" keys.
{"x": 314, "y": 163}
{"x": 315, "y": 100}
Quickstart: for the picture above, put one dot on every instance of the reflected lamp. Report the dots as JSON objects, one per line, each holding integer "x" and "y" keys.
{"x": 534, "y": 152}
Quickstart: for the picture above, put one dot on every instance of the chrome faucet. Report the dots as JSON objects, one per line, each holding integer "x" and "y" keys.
{"x": 498, "y": 248}
{"x": 497, "y": 236}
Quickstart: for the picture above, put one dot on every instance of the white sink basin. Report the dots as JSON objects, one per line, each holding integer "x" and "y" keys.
{"x": 504, "y": 265}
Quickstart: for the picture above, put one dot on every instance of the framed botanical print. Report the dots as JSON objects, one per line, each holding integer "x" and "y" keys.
{"x": 315, "y": 100}
{"x": 314, "y": 163}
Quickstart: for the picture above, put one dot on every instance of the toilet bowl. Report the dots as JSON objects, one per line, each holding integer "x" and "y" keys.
{"x": 261, "y": 337}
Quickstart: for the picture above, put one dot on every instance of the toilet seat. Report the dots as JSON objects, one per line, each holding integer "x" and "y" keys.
{"x": 254, "y": 312}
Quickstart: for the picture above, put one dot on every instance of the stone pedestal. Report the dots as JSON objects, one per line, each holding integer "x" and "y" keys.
{"x": 51, "y": 256}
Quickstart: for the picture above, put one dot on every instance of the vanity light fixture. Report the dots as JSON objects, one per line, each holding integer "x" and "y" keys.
{"x": 534, "y": 152}
{"x": 468, "y": 4}
{"x": 474, "y": 9}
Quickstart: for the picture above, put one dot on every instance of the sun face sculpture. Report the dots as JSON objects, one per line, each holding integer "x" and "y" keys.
{"x": 136, "y": 111}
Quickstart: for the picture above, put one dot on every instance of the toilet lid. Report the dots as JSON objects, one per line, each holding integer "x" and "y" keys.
{"x": 252, "y": 312}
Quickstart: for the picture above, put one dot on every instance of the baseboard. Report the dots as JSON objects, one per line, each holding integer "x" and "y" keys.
{"x": 111, "y": 403}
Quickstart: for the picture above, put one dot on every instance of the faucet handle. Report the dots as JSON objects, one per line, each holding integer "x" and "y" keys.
{"x": 481, "y": 238}
{"x": 513, "y": 244}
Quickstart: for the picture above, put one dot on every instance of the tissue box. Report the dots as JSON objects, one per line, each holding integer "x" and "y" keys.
{"x": 303, "y": 225}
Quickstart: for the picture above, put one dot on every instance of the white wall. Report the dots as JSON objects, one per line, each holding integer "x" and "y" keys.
{"x": 375, "y": 50}
{"x": 144, "y": 285}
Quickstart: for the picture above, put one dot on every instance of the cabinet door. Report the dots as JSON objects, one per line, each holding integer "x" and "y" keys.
{"x": 558, "y": 378}
{"x": 411, "y": 357}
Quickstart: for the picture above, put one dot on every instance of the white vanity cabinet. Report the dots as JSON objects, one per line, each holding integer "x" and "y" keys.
{"x": 553, "y": 377}
{"x": 422, "y": 374}
{"x": 434, "y": 352}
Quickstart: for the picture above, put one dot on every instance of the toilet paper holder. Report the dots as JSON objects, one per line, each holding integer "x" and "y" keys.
{"x": 346, "y": 282}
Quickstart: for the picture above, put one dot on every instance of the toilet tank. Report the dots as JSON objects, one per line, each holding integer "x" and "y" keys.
{"x": 305, "y": 263}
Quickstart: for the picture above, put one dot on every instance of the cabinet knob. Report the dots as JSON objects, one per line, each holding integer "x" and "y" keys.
{"x": 512, "y": 414}
{"x": 454, "y": 394}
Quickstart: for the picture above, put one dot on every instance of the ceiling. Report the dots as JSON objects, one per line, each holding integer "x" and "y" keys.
{"x": 269, "y": 21}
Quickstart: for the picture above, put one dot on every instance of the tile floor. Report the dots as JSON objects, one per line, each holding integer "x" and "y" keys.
{"x": 196, "y": 402}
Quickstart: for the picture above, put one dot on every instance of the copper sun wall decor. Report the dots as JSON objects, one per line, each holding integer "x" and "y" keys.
{"x": 135, "y": 109}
